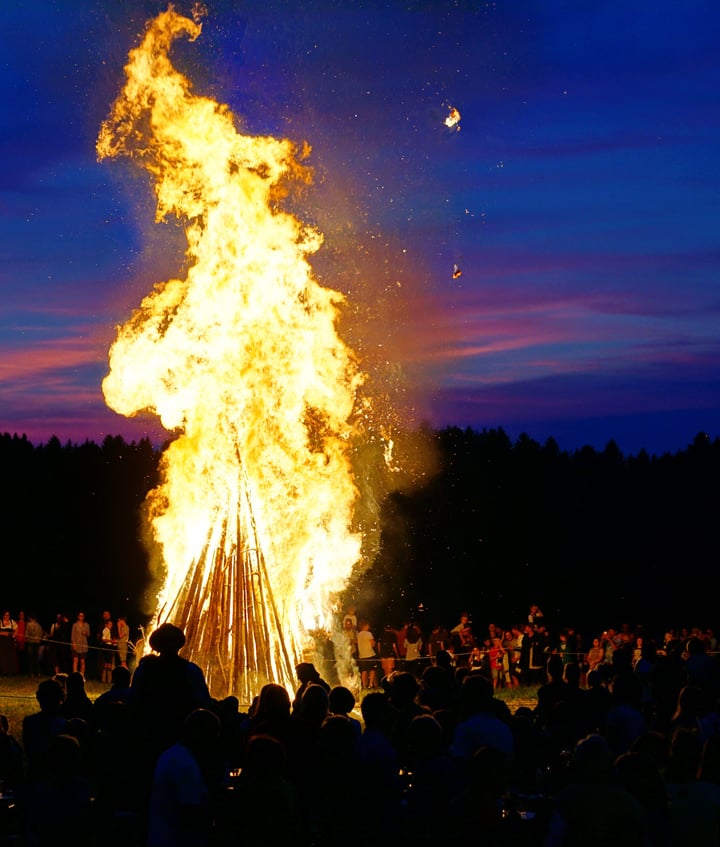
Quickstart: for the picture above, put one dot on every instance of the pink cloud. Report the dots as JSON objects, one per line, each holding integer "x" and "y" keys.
{"x": 48, "y": 357}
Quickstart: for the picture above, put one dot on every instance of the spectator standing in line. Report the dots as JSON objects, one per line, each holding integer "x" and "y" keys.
{"x": 413, "y": 645}
{"x": 108, "y": 654}
{"x": 367, "y": 656}
{"x": 33, "y": 638}
{"x": 105, "y": 620}
{"x": 438, "y": 640}
{"x": 511, "y": 660}
{"x": 462, "y": 640}
{"x": 123, "y": 634}
{"x": 398, "y": 644}
{"x": 350, "y": 634}
{"x": 595, "y": 655}
{"x": 535, "y": 616}
{"x": 537, "y": 657}
{"x": 8, "y": 656}
{"x": 496, "y": 654}
{"x": 351, "y": 616}
{"x": 79, "y": 639}
{"x": 62, "y": 636}
{"x": 564, "y": 650}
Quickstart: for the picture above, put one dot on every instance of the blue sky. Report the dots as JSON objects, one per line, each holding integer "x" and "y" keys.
{"x": 580, "y": 199}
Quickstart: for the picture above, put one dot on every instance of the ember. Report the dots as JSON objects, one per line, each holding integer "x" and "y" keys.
{"x": 452, "y": 121}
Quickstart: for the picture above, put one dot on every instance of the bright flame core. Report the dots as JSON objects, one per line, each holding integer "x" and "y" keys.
{"x": 254, "y": 512}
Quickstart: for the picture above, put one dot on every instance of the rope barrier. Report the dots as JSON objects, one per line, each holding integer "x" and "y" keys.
{"x": 52, "y": 642}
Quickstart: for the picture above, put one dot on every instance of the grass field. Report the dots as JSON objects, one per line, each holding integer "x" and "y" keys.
{"x": 17, "y": 698}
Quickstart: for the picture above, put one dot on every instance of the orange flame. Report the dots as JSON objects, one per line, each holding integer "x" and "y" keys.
{"x": 253, "y": 516}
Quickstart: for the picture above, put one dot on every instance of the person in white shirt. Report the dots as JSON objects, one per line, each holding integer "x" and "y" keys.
{"x": 367, "y": 656}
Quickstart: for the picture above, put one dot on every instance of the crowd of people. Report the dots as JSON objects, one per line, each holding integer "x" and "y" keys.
{"x": 621, "y": 746}
{"x": 512, "y": 657}
{"x": 27, "y": 647}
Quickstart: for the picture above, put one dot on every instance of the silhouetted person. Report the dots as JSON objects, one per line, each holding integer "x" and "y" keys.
{"x": 263, "y": 799}
{"x": 166, "y": 688}
{"x": 307, "y": 761}
{"x": 402, "y": 692}
{"x": 639, "y": 774}
{"x": 77, "y": 704}
{"x": 709, "y": 770}
{"x": 438, "y": 688}
{"x": 553, "y": 692}
{"x": 598, "y": 700}
{"x": 476, "y": 813}
{"x": 182, "y": 786}
{"x": 625, "y": 721}
{"x": 119, "y": 692}
{"x": 40, "y": 728}
{"x": 694, "y": 803}
{"x": 11, "y": 757}
{"x": 593, "y": 808}
{"x": 377, "y": 784}
{"x": 341, "y": 701}
{"x": 60, "y": 635}
{"x": 700, "y": 668}
{"x": 59, "y": 803}
{"x": 232, "y": 734}
{"x": 120, "y": 790}
{"x": 479, "y": 726}
{"x": 437, "y": 777}
{"x": 307, "y": 675}
{"x": 270, "y": 715}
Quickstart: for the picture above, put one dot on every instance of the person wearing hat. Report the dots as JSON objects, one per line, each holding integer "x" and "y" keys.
{"x": 166, "y": 688}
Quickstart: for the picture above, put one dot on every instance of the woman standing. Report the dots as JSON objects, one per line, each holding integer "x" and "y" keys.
{"x": 123, "y": 633}
{"x": 108, "y": 655}
{"x": 595, "y": 655}
{"x": 8, "y": 656}
{"x": 413, "y": 651}
{"x": 79, "y": 643}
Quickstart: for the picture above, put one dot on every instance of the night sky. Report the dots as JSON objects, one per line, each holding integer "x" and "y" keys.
{"x": 579, "y": 200}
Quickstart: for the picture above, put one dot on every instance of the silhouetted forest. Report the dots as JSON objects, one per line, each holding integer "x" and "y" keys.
{"x": 594, "y": 537}
{"x": 71, "y": 525}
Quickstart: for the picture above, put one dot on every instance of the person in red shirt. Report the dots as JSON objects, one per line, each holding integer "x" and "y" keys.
{"x": 495, "y": 654}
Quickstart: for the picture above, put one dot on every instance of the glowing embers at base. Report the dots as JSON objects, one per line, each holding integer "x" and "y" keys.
{"x": 252, "y": 519}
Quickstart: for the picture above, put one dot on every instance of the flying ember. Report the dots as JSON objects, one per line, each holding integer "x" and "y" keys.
{"x": 452, "y": 121}
{"x": 253, "y": 519}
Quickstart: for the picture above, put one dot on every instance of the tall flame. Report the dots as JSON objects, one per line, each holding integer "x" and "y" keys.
{"x": 253, "y": 516}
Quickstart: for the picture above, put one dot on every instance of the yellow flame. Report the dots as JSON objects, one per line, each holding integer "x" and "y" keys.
{"x": 242, "y": 358}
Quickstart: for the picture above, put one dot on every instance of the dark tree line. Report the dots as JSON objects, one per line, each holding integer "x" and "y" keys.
{"x": 71, "y": 526}
{"x": 595, "y": 537}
